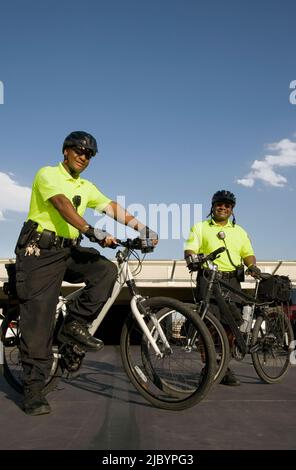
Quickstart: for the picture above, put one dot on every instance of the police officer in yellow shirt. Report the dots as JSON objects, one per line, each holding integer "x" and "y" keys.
{"x": 48, "y": 251}
{"x": 218, "y": 230}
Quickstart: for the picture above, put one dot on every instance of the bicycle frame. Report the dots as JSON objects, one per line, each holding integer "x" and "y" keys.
{"x": 243, "y": 341}
{"x": 125, "y": 276}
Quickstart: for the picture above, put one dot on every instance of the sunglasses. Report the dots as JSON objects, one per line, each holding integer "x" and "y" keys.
{"x": 227, "y": 205}
{"x": 83, "y": 151}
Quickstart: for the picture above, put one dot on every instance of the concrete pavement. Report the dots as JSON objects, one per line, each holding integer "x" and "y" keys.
{"x": 100, "y": 410}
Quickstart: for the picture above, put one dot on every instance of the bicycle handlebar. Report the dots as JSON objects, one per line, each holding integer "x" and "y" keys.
{"x": 144, "y": 245}
{"x": 196, "y": 263}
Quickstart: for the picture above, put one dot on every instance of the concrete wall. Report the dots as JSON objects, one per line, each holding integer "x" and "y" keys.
{"x": 157, "y": 278}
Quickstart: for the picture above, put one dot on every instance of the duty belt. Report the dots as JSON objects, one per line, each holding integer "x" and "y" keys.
{"x": 47, "y": 239}
{"x": 220, "y": 274}
{"x": 62, "y": 242}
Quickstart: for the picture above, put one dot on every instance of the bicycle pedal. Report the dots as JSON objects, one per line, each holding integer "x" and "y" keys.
{"x": 72, "y": 356}
{"x": 78, "y": 350}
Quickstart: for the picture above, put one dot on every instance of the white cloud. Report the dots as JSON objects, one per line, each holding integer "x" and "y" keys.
{"x": 13, "y": 197}
{"x": 265, "y": 170}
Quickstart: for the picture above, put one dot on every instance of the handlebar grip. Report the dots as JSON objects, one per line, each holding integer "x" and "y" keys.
{"x": 144, "y": 245}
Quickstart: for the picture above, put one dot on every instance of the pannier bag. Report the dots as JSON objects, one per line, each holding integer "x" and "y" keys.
{"x": 275, "y": 288}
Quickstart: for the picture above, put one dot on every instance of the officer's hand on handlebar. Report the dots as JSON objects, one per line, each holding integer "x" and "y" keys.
{"x": 147, "y": 234}
{"x": 254, "y": 271}
{"x": 194, "y": 261}
{"x": 109, "y": 242}
{"x": 101, "y": 237}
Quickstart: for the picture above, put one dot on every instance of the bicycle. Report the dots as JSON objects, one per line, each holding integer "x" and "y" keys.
{"x": 215, "y": 328}
{"x": 266, "y": 334}
{"x": 164, "y": 364}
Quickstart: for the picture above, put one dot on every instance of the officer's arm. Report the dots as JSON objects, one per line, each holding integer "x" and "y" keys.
{"x": 188, "y": 252}
{"x": 249, "y": 260}
{"x": 252, "y": 270}
{"x": 65, "y": 207}
{"x": 117, "y": 212}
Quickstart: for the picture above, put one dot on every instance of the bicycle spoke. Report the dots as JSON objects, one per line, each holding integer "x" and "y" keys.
{"x": 184, "y": 374}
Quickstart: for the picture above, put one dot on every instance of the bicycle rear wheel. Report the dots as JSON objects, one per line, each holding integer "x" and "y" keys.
{"x": 271, "y": 345}
{"x": 11, "y": 357}
{"x": 184, "y": 375}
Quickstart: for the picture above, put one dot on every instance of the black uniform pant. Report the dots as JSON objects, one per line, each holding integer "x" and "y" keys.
{"x": 232, "y": 299}
{"x": 38, "y": 283}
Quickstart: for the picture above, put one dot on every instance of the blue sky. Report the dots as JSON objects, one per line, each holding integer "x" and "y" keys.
{"x": 184, "y": 97}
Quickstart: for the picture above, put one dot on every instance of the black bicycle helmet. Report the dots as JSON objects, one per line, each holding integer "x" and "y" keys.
{"x": 224, "y": 196}
{"x": 81, "y": 139}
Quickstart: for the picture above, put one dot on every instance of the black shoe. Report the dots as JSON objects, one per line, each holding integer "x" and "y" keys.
{"x": 80, "y": 334}
{"x": 230, "y": 379}
{"x": 35, "y": 404}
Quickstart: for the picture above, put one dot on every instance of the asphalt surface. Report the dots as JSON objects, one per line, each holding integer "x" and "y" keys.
{"x": 100, "y": 410}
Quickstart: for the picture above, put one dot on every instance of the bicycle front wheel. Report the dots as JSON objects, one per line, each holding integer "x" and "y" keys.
{"x": 271, "y": 345}
{"x": 220, "y": 340}
{"x": 184, "y": 374}
{"x": 11, "y": 361}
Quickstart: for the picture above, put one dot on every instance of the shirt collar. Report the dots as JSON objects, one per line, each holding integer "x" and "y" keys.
{"x": 66, "y": 174}
{"x": 229, "y": 224}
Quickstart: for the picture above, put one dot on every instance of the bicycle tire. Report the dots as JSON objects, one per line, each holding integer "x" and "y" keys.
{"x": 12, "y": 367}
{"x": 271, "y": 345}
{"x": 220, "y": 341}
{"x": 219, "y": 337}
{"x": 165, "y": 382}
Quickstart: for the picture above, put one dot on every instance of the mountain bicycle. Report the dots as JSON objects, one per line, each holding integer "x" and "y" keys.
{"x": 214, "y": 326}
{"x": 170, "y": 360}
{"x": 266, "y": 332}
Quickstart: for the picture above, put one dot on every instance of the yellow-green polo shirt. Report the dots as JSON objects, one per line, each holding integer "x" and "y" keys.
{"x": 52, "y": 180}
{"x": 203, "y": 239}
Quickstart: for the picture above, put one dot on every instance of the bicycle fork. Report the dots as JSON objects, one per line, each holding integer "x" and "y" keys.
{"x": 139, "y": 315}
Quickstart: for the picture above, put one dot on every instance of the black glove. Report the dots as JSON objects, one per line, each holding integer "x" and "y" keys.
{"x": 96, "y": 235}
{"x": 147, "y": 236}
{"x": 194, "y": 261}
{"x": 254, "y": 271}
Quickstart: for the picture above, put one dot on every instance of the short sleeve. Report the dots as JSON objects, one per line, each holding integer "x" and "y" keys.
{"x": 46, "y": 184}
{"x": 193, "y": 241}
{"x": 246, "y": 249}
{"x": 96, "y": 199}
